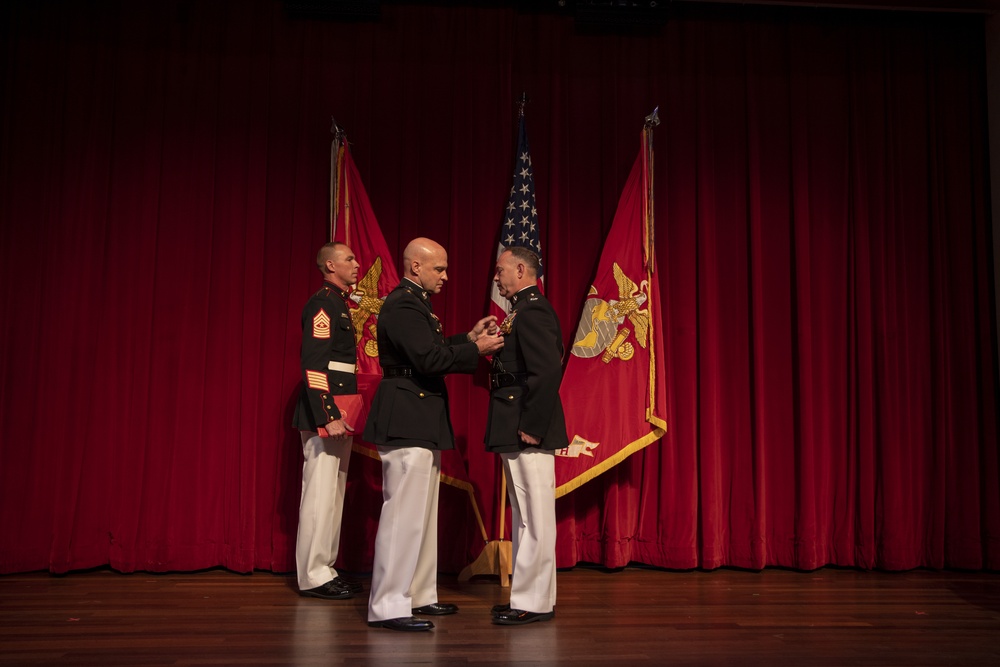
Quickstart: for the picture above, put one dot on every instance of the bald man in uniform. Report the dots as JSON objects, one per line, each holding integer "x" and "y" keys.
{"x": 525, "y": 425}
{"x": 409, "y": 424}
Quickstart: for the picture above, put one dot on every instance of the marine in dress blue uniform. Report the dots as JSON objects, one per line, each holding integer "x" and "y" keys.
{"x": 328, "y": 359}
{"x": 525, "y": 425}
{"x": 409, "y": 423}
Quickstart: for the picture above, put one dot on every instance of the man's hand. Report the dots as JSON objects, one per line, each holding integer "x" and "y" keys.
{"x": 486, "y": 325}
{"x": 337, "y": 429}
{"x": 528, "y": 438}
{"x": 489, "y": 344}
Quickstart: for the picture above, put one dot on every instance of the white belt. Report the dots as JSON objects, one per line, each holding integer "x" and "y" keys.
{"x": 340, "y": 366}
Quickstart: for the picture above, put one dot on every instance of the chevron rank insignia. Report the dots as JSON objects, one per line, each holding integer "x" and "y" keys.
{"x": 321, "y": 324}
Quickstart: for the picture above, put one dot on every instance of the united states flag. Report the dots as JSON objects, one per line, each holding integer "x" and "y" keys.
{"x": 520, "y": 219}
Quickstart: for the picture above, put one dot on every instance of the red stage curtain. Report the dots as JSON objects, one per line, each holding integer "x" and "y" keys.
{"x": 823, "y": 247}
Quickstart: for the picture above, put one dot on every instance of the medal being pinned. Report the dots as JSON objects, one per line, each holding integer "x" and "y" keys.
{"x": 507, "y": 324}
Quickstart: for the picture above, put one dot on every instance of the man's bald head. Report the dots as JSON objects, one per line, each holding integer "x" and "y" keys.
{"x": 425, "y": 262}
{"x": 419, "y": 249}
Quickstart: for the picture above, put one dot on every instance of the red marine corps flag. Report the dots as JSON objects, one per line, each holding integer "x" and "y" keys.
{"x": 353, "y": 222}
{"x": 613, "y": 390}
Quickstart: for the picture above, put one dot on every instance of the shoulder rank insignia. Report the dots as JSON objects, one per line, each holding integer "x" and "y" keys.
{"x": 321, "y": 324}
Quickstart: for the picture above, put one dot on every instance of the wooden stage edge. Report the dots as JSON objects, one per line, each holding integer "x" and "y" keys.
{"x": 634, "y": 616}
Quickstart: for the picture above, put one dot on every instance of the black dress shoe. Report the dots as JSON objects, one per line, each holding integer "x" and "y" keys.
{"x": 407, "y": 624}
{"x": 436, "y": 609}
{"x": 350, "y": 584}
{"x": 331, "y": 590}
{"x": 520, "y": 617}
{"x": 498, "y": 608}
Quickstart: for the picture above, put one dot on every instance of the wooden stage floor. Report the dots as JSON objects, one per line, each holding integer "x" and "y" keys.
{"x": 634, "y": 616}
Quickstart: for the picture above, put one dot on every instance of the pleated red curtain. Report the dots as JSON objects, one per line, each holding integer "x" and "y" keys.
{"x": 823, "y": 250}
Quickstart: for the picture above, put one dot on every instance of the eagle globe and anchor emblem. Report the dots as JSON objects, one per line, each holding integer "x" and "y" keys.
{"x": 605, "y": 333}
{"x": 365, "y": 295}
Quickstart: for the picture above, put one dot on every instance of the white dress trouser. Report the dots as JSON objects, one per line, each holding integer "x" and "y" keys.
{"x": 324, "y": 480}
{"x": 404, "y": 574}
{"x": 531, "y": 487}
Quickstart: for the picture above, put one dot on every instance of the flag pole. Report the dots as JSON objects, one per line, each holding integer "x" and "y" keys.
{"x": 337, "y": 148}
{"x": 497, "y": 555}
{"x": 338, "y": 135}
{"x": 651, "y": 121}
{"x": 648, "y": 249}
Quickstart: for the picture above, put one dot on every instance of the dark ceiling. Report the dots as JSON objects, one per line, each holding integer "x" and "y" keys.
{"x": 978, "y": 6}
{"x": 632, "y": 11}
